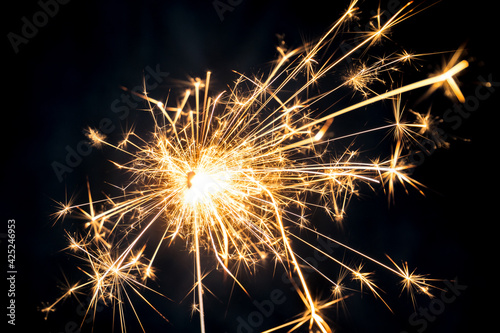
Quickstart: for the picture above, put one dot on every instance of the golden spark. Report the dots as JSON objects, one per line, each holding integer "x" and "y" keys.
{"x": 230, "y": 175}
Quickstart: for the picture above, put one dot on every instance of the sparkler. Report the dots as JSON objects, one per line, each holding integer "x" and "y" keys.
{"x": 231, "y": 174}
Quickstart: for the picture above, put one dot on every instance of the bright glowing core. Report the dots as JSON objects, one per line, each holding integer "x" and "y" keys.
{"x": 200, "y": 187}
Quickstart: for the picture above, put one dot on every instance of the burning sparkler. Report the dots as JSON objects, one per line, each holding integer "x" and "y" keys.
{"x": 230, "y": 174}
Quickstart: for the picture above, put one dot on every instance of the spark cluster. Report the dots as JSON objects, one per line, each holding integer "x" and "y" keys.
{"x": 234, "y": 174}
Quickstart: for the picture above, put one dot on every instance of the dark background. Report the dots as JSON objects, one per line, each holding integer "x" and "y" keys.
{"x": 68, "y": 75}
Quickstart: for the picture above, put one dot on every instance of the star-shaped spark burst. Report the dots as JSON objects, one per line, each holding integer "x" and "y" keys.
{"x": 233, "y": 174}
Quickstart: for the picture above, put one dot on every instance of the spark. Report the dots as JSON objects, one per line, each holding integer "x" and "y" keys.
{"x": 95, "y": 137}
{"x": 231, "y": 174}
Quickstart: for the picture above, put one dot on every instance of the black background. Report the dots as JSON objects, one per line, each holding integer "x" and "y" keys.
{"x": 67, "y": 76}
